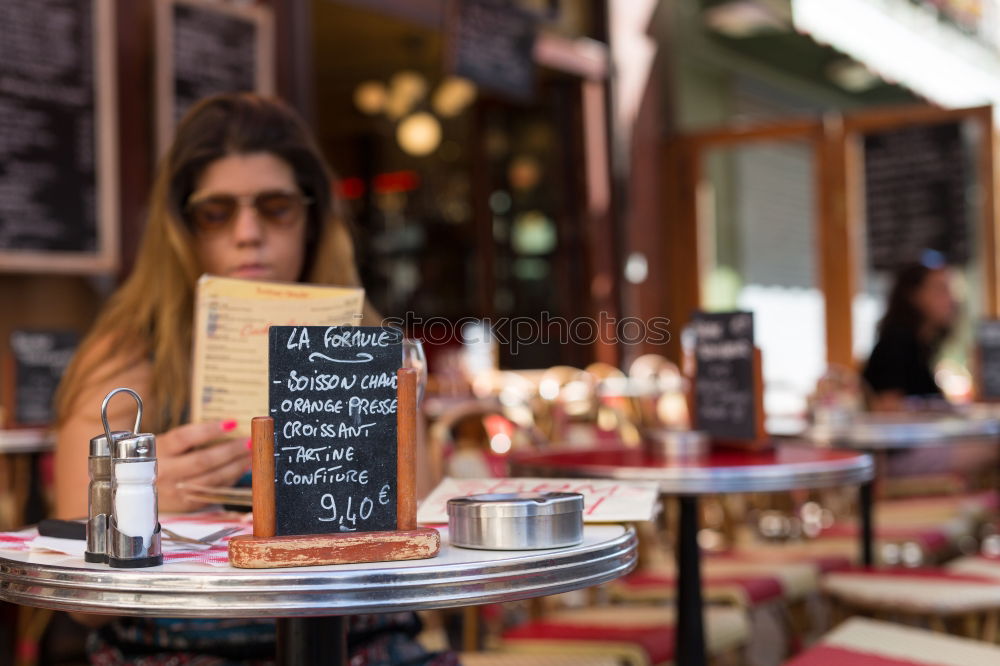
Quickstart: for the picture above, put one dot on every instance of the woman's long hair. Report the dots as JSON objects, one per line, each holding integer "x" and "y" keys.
{"x": 902, "y": 313}
{"x": 150, "y": 317}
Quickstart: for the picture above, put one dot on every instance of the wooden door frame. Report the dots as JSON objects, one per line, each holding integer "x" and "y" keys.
{"x": 683, "y": 172}
{"x": 836, "y": 140}
{"x": 588, "y": 63}
{"x": 859, "y": 123}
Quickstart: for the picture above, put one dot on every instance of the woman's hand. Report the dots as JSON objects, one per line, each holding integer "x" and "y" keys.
{"x": 199, "y": 453}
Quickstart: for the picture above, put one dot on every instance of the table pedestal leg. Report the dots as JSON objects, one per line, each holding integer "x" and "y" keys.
{"x": 690, "y": 634}
{"x": 307, "y": 641}
{"x": 866, "y": 509}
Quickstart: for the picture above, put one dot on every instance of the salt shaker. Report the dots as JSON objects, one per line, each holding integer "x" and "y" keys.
{"x": 134, "y": 528}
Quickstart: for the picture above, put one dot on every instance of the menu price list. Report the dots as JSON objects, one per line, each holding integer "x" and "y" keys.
{"x": 48, "y": 171}
{"x": 213, "y": 52}
{"x": 333, "y": 400}
{"x": 916, "y": 182}
{"x": 724, "y": 381}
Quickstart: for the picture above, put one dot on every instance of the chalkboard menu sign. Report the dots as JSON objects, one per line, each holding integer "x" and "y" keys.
{"x": 37, "y": 361}
{"x": 492, "y": 43}
{"x": 57, "y": 154}
{"x": 333, "y": 399}
{"x": 988, "y": 339}
{"x": 205, "y": 48}
{"x": 915, "y": 194}
{"x": 725, "y": 384}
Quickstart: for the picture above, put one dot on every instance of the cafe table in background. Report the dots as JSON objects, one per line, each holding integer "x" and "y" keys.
{"x": 785, "y": 467}
{"x": 944, "y": 438}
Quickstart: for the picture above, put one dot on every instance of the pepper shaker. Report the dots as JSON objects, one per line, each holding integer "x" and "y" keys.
{"x": 133, "y": 528}
{"x": 99, "y": 495}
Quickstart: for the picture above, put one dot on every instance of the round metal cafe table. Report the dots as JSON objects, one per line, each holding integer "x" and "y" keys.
{"x": 785, "y": 467}
{"x": 310, "y": 603}
{"x": 879, "y": 433}
{"x": 889, "y": 431}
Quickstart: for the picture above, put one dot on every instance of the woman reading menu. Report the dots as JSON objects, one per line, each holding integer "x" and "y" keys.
{"x": 243, "y": 192}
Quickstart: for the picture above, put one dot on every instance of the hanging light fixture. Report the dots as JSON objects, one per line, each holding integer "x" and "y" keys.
{"x": 404, "y": 100}
{"x": 370, "y": 97}
{"x": 406, "y": 89}
{"x": 452, "y": 96}
{"x": 419, "y": 134}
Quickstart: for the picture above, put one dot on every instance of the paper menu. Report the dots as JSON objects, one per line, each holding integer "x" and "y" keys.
{"x": 232, "y": 316}
{"x": 604, "y": 501}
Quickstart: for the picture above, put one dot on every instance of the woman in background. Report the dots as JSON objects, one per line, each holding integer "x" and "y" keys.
{"x": 243, "y": 192}
{"x": 918, "y": 319}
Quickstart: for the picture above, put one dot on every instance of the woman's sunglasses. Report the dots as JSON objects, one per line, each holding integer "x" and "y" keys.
{"x": 276, "y": 208}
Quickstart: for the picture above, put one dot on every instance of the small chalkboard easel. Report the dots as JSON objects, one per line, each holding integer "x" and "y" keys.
{"x": 727, "y": 400}
{"x": 265, "y": 549}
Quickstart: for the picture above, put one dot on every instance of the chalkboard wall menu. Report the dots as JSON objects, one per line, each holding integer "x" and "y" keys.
{"x": 50, "y": 180}
{"x": 213, "y": 53}
{"x": 988, "y": 339}
{"x": 38, "y": 360}
{"x": 205, "y": 48}
{"x": 492, "y": 43}
{"x": 915, "y": 194}
{"x": 333, "y": 400}
{"x": 725, "y": 404}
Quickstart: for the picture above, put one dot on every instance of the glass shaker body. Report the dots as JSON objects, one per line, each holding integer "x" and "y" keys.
{"x": 99, "y": 495}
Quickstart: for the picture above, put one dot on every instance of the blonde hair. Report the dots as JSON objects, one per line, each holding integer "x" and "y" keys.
{"x": 150, "y": 317}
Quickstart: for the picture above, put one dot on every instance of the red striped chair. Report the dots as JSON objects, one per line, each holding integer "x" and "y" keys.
{"x": 864, "y": 642}
{"x": 635, "y": 635}
{"x": 945, "y": 600}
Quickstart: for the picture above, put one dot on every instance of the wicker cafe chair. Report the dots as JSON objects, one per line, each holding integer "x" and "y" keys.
{"x": 460, "y": 435}
{"x": 773, "y": 595}
{"x": 567, "y": 404}
{"x": 864, "y": 641}
{"x": 571, "y": 412}
{"x": 947, "y": 601}
{"x": 667, "y": 406}
{"x": 634, "y": 635}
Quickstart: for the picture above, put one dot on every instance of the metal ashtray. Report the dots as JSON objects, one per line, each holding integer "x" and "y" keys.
{"x": 670, "y": 444}
{"x": 516, "y": 521}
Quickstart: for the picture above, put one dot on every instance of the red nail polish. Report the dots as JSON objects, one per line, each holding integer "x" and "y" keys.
{"x": 229, "y": 425}
{"x": 249, "y": 445}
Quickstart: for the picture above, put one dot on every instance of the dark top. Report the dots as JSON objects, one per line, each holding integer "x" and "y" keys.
{"x": 901, "y": 362}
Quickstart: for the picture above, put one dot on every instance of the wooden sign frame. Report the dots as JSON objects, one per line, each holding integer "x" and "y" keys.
{"x": 265, "y": 550}
{"x": 263, "y": 18}
{"x": 105, "y": 259}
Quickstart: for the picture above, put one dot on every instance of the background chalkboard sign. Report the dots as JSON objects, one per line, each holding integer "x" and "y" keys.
{"x": 333, "y": 399}
{"x": 205, "y": 48}
{"x": 988, "y": 339}
{"x": 915, "y": 194}
{"x": 57, "y": 155}
{"x": 492, "y": 43}
{"x": 37, "y": 361}
{"x": 725, "y": 400}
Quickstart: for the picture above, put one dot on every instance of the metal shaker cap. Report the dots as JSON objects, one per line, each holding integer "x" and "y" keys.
{"x": 515, "y": 505}
{"x": 136, "y": 446}
{"x": 99, "y": 445}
